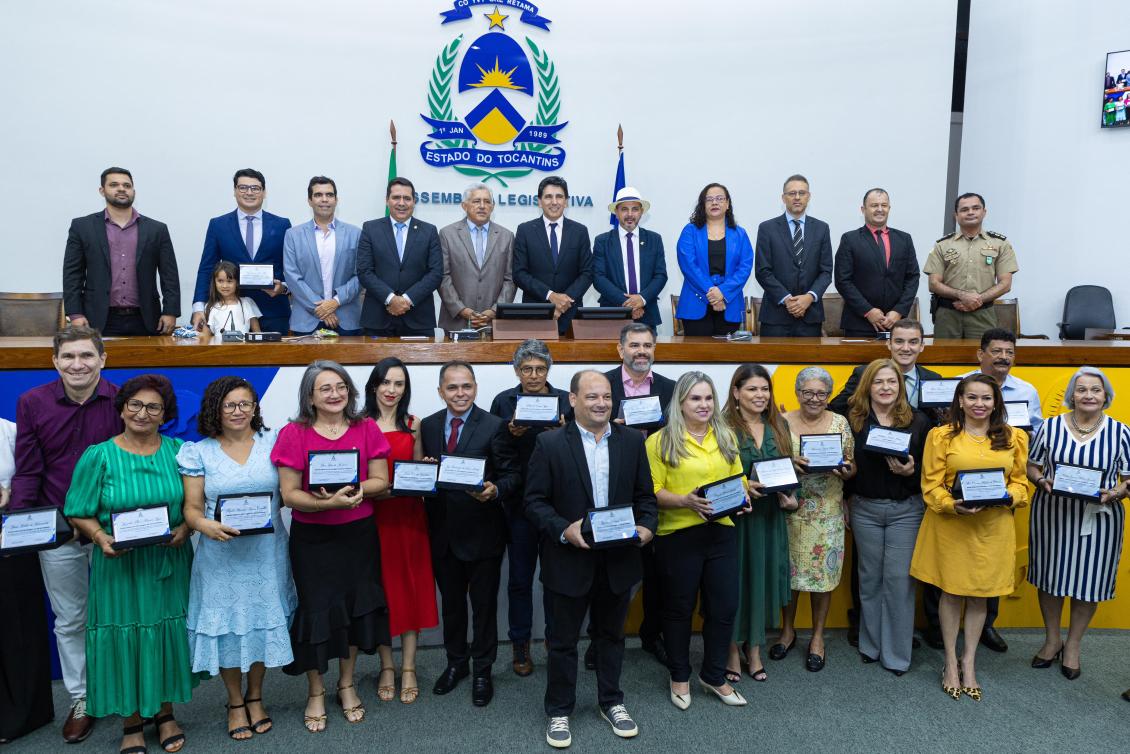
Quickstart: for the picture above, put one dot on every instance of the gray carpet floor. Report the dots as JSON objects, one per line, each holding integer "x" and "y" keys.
{"x": 848, "y": 707}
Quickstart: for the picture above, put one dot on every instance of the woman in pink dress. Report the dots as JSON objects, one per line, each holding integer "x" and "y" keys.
{"x": 406, "y": 562}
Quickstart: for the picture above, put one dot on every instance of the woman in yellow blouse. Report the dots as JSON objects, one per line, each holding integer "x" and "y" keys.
{"x": 969, "y": 552}
{"x": 695, "y": 556}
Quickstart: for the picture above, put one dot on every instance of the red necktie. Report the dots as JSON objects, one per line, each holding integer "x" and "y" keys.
{"x": 453, "y": 438}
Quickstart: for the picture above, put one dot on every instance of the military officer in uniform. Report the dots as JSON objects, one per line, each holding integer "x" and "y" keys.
{"x": 968, "y": 270}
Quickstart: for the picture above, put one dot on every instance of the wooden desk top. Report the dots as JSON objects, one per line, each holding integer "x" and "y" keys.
{"x": 35, "y": 353}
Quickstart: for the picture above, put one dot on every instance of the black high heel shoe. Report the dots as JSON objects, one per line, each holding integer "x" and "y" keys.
{"x": 1070, "y": 673}
{"x": 1041, "y": 663}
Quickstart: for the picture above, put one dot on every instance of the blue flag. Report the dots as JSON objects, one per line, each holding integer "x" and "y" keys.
{"x": 620, "y": 183}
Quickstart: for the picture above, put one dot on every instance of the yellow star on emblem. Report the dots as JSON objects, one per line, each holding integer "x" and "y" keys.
{"x": 495, "y": 19}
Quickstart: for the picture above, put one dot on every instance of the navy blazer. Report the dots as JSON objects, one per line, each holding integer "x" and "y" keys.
{"x": 382, "y": 272}
{"x": 694, "y": 261}
{"x": 535, "y": 273}
{"x": 225, "y": 242}
{"x": 608, "y": 271}
{"x": 779, "y": 274}
{"x": 867, "y": 282}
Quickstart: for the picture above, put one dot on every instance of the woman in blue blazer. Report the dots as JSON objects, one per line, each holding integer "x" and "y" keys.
{"x": 716, "y": 257}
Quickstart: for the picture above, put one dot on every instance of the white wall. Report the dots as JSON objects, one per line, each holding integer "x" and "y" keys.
{"x": 851, "y": 94}
{"x": 1055, "y": 183}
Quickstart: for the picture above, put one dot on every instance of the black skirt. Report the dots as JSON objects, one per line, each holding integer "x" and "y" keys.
{"x": 25, "y": 655}
{"x": 341, "y": 604}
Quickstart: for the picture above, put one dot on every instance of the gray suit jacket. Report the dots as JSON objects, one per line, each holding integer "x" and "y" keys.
{"x": 464, "y": 283}
{"x": 303, "y": 272}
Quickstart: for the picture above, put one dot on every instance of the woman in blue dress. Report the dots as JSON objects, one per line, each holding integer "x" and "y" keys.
{"x": 241, "y": 596}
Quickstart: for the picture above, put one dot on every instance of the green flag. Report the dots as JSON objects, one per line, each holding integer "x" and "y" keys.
{"x": 391, "y": 157}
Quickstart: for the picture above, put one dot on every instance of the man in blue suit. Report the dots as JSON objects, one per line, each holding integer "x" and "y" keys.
{"x": 246, "y": 236}
{"x": 320, "y": 264}
{"x": 628, "y": 265}
{"x": 400, "y": 264}
{"x": 552, "y": 255}
{"x": 793, "y": 264}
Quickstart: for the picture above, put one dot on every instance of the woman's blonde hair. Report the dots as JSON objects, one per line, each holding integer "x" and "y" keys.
{"x": 672, "y": 438}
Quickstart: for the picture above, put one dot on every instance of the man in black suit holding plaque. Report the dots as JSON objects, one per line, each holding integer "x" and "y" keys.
{"x": 467, "y": 528}
{"x": 589, "y": 466}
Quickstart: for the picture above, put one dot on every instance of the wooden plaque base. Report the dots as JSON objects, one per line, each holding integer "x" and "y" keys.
{"x": 598, "y": 329}
{"x": 523, "y": 329}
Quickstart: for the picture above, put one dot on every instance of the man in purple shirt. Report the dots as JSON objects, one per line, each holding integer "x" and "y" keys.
{"x": 55, "y": 423}
{"x": 111, "y": 263}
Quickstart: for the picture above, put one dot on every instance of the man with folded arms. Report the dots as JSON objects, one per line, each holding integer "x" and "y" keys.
{"x": 55, "y": 423}
{"x": 468, "y": 528}
{"x": 590, "y": 464}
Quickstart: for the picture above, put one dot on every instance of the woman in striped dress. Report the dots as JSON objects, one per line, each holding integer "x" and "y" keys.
{"x": 1074, "y": 545}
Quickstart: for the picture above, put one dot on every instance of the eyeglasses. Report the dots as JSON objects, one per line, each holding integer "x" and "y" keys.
{"x": 530, "y": 371}
{"x": 244, "y": 407}
{"x": 796, "y": 194}
{"x": 328, "y": 390}
{"x": 134, "y": 406}
{"x": 812, "y": 395}
{"x": 249, "y": 189}
{"x": 715, "y": 199}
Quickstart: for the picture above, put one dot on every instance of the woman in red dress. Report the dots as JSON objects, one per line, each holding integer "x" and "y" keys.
{"x": 406, "y": 562}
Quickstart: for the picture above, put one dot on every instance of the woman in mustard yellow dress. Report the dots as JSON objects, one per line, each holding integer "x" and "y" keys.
{"x": 969, "y": 551}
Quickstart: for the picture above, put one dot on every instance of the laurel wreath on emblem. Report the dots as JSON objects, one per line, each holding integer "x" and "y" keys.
{"x": 439, "y": 104}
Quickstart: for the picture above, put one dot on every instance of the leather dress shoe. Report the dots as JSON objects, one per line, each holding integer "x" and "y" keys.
{"x": 933, "y": 637}
{"x": 79, "y": 725}
{"x": 590, "y": 656}
{"x": 449, "y": 679}
{"x": 656, "y": 649}
{"x": 814, "y": 663}
{"x": 482, "y": 690}
{"x": 781, "y": 651}
{"x": 993, "y": 640}
{"x": 523, "y": 665}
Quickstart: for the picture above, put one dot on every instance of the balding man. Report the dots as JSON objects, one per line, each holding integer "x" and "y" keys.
{"x": 589, "y": 466}
{"x": 477, "y": 257}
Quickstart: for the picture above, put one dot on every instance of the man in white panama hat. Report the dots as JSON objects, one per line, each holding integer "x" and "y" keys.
{"x": 628, "y": 265}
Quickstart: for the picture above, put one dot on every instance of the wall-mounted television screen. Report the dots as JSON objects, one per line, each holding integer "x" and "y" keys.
{"x": 1116, "y": 90}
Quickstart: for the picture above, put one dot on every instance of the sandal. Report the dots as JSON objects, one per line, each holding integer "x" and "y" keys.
{"x": 255, "y": 726}
{"x": 758, "y": 675}
{"x": 133, "y": 730}
{"x": 408, "y": 694}
{"x": 732, "y": 676}
{"x": 310, "y": 720}
{"x": 241, "y": 729}
{"x": 386, "y": 693}
{"x": 347, "y": 711}
{"x": 176, "y": 741}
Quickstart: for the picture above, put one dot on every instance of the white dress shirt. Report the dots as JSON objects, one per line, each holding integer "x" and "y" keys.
{"x": 635, "y": 255}
{"x": 326, "y": 241}
{"x": 560, "y": 227}
{"x": 596, "y": 456}
{"x": 256, "y": 228}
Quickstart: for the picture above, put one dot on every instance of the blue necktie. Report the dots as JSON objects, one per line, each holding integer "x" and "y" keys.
{"x": 480, "y": 244}
{"x": 400, "y": 240}
{"x": 553, "y": 250}
{"x": 249, "y": 238}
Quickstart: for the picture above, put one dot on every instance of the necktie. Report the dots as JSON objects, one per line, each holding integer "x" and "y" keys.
{"x": 553, "y": 242}
{"x": 798, "y": 242}
{"x": 882, "y": 246}
{"x": 912, "y": 389}
{"x": 633, "y": 286}
{"x": 453, "y": 438}
{"x": 480, "y": 245}
{"x": 400, "y": 241}
{"x": 249, "y": 237}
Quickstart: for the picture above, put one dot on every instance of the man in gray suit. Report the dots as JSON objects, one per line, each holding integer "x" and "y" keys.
{"x": 476, "y": 264}
{"x": 320, "y": 266}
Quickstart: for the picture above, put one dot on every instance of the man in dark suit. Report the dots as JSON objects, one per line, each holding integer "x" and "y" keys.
{"x": 110, "y": 263}
{"x": 876, "y": 271}
{"x": 634, "y": 378}
{"x": 249, "y": 235}
{"x": 793, "y": 264}
{"x": 468, "y": 528}
{"x": 628, "y": 265}
{"x": 400, "y": 264}
{"x": 589, "y": 465}
{"x": 552, "y": 255}
{"x": 906, "y": 344}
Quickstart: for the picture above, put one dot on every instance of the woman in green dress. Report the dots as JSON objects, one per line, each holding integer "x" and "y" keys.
{"x": 137, "y": 655}
{"x": 763, "y": 537}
